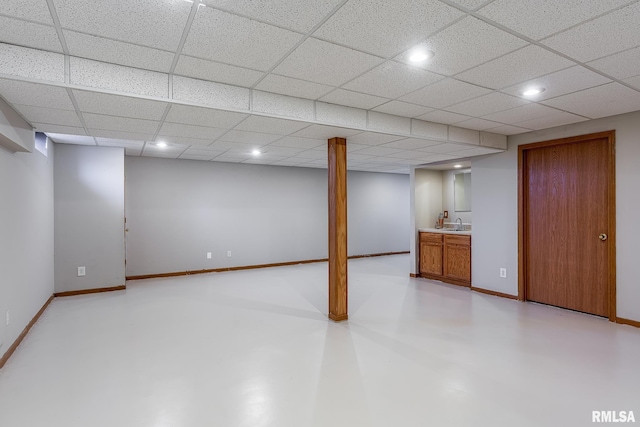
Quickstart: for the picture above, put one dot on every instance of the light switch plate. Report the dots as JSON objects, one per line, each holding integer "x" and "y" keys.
{"x": 82, "y": 271}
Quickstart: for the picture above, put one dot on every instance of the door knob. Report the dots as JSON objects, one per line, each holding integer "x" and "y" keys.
{"x": 603, "y": 237}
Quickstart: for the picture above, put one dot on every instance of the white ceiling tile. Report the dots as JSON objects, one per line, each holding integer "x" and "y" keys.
{"x": 71, "y": 139}
{"x": 377, "y": 151}
{"x": 480, "y": 151}
{"x": 634, "y": 81}
{"x": 183, "y": 140}
{"x": 325, "y": 132}
{"x": 190, "y": 131}
{"x": 293, "y": 14}
{"x": 117, "y": 52}
{"x": 263, "y": 159}
{"x": 412, "y": 144}
{"x": 275, "y": 150}
{"x": 353, "y": 99}
{"x": 249, "y": 137}
{"x": 429, "y": 129}
{"x": 115, "y": 105}
{"x": 471, "y": 4}
{"x": 29, "y": 34}
{"x": 621, "y": 65}
{"x": 210, "y": 93}
{"x": 298, "y": 142}
{"x": 49, "y": 128}
{"x": 444, "y": 117}
{"x": 216, "y": 72}
{"x": 509, "y": 130}
{"x": 601, "y": 101}
{"x": 34, "y": 94}
{"x": 326, "y": 63}
{"x": 478, "y": 124}
{"x": 560, "y": 83}
{"x": 114, "y": 134}
{"x": 445, "y": 148}
{"x": 522, "y": 65}
{"x": 603, "y": 36}
{"x": 560, "y": 118}
{"x": 228, "y": 145}
{"x": 444, "y": 93}
{"x": 487, "y": 104}
{"x": 151, "y": 23}
{"x": 290, "y": 162}
{"x": 313, "y": 155}
{"x": 31, "y": 63}
{"x": 466, "y": 44}
{"x": 49, "y": 115}
{"x": 271, "y": 125}
{"x": 392, "y": 80}
{"x": 388, "y": 123}
{"x": 548, "y": 17}
{"x": 203, "y": 116}
{"x": 293, "y": 87}
{"x": 282, "y": 105}
{"x": 162, "y": 154}
{"x": 357, "y": 157}
{"x": 125, "y": 124}
{"x": 35, "y": 10}
{"x": 386, "y": 27}
{"x": 520, "y": 114}
{"x": 89, "y": 73}
{"x": 406, "y": 109}
{"x": 107, "y": 142}
{"x": 341, "y": 115}
{"x": 351, "y": 146}
{"x": 236, "y": 40}
{"x": 468, "y": 136}
{"x": 372, "y": 138}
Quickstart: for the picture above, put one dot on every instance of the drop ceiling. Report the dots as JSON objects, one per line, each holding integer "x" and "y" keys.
{"x": 216, "y": 79}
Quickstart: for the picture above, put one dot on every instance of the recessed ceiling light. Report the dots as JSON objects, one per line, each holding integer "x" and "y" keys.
{"x": 457, "y": 166}
{"x": 256, "y": 152}
{"x": 533, "y": 91}
{"x": 161, "y": 144}
{"x": 421, "y": 55}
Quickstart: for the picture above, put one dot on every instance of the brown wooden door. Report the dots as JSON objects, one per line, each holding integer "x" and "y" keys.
{"x": 566, "y": 202}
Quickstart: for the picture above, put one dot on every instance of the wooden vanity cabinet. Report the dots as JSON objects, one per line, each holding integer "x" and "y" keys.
{"x": 446, "y": 257}
{"x": 431, "y": 251}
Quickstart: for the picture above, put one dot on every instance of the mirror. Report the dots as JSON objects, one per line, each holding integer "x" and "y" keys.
{"x": 462, "y": 191}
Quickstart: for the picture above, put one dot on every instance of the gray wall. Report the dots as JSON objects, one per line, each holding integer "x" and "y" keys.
{"x": 495, "y": 192}
{"x": 178, "y": 210}
{"x": 89, "y": 217}
{"x": 26, "y": 239}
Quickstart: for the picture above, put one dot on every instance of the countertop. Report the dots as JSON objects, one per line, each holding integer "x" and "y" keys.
{"x": 445, "y": 231}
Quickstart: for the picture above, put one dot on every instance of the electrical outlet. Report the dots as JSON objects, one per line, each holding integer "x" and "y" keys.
{"x": 208, "y": 255}
{"x": 228, "y": 254}
{"x": 7, "y": 318}
{"x": 503, "y": 273}
{"x": 82, "y": 271}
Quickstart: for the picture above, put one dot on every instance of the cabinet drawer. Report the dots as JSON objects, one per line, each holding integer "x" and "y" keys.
{"x": 457, "y": 240}
{"x": 431, "y": 238}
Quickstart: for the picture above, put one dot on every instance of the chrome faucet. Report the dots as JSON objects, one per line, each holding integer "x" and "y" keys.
{"x": 459, "y": 226}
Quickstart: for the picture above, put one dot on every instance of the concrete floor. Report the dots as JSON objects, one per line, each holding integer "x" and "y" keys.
{"x": 254, "y": 348}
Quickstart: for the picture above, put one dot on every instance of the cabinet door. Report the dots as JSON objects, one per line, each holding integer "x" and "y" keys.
{"x": 431, "y": 254}
{"x": 457, "y": 255}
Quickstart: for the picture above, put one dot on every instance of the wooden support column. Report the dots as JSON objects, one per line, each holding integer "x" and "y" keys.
{"x": 338, "y": 229}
